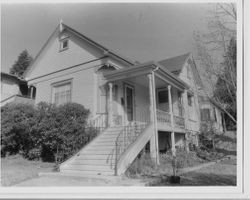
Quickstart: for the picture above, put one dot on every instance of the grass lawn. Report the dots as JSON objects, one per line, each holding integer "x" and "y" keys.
{"x": 15, "y": 169}
{"x": 220, "y": 174}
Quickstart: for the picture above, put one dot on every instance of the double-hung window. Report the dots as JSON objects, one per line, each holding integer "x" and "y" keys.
{"x": 61, "y": 92}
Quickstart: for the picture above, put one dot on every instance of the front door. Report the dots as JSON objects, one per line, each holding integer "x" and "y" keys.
{"x": 129, "y": 102}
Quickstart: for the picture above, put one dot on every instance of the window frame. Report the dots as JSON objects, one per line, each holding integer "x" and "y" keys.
{"x": 190, "y": 100}
{"x": 203, "y": 115}
{"x": 62, "y": 41}
{"x": 59, "y": 84}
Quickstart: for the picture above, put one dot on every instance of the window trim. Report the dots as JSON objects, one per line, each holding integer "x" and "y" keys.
{"x": 58, "y": 84}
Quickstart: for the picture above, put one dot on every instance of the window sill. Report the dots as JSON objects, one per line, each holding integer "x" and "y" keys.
{"x": 63, "y": 49}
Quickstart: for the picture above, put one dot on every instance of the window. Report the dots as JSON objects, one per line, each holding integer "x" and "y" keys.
{"x": 215, "y": 118}
{"x": 61, "y": 93}
{"x": 64, "y": 44}
{"x": 163, "y": 96}
{"x": 162, "y": 99}
{"x": 190, "y": 100}
{"x": 205, "y": 114}
{"x": 188, "y": 72}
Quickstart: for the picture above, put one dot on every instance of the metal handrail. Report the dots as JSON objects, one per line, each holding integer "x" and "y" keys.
{"x": 129, "y": 134}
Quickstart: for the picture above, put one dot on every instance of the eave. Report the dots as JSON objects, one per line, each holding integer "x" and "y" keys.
{"x": 144, "y": 69}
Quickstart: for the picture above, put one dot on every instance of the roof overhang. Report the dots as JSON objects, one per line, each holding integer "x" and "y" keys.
{"x": 12, "y": 77}
{"x": 144, "y": 69}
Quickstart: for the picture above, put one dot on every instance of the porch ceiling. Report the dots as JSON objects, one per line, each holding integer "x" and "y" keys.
{"x": 137, "y": 74}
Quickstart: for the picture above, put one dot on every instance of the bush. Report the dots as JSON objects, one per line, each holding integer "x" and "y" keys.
{"x": 141, "y": 166}
{"x": 16, "y": 123}
{"x": 46, "y": 131}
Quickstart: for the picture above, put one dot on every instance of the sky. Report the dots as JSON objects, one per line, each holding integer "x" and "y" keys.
{"x": 139, "y": 31}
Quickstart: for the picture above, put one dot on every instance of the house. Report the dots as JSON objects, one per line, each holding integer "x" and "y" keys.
{"x": 152, "y": 105}
{"x": 14, "y": 89}
{"x": 212, "y": 116}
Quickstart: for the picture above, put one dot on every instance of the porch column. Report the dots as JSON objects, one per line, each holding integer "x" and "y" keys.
{"x": 31, "y": 92}
{"x": 154, "y": 139}
{"x": 172, "y": 120}
{"x": 185, "y": 108}
{"x": 186, "y": 142}
{"x": 110, "y": 110}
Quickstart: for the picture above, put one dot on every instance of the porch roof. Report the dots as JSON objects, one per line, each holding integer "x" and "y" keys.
{"x": 146, "y": 68}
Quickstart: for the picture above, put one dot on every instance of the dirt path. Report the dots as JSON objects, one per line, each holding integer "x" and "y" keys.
{"x": 220, "y": 174}
{"x": 57, "y": 180}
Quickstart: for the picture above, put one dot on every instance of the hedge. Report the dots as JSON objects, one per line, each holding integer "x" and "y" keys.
{"x": 45, "y": 131}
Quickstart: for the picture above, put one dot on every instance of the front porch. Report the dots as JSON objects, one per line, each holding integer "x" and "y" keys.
{"x": 148, "y": 95}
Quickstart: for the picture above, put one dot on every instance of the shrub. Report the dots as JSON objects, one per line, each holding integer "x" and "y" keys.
{"x": 60, "y": 131}
{"x": 46, "y": 131}
{"x": 142, "y": 165}
{"x": 16, "y": 123}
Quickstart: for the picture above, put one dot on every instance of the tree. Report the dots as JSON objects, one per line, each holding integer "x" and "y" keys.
{"x": 216, "y": 53}
{"x": 23, "y": 61}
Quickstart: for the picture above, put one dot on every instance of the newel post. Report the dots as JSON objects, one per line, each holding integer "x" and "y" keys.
{"x": 110, "y": 108}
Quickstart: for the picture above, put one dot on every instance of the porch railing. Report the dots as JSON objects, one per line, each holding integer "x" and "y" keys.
{"x": 163, "y": 116}
{"x": 179, "y": 122}
{"x": 126, "y": 137}
{"x": 99, "y": 122}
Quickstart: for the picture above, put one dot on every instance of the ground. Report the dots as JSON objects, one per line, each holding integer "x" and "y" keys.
{"x": 219, "y": 174}
{"x": 17, "y": 171}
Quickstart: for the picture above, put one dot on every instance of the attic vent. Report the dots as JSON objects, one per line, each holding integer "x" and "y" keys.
{"x": 64, "y": 44}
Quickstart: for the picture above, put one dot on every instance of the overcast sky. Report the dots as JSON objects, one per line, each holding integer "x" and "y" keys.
{"x": 139, "y": 31}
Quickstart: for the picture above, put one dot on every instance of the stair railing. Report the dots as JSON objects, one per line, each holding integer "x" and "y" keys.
{"x": 129, "y": 135}
{"x": 99, "y": 122}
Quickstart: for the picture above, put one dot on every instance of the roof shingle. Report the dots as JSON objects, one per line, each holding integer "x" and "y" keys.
{"x": 175, "y": 64}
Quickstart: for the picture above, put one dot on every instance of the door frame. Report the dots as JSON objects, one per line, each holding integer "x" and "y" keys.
{"x": 127, "y": 85}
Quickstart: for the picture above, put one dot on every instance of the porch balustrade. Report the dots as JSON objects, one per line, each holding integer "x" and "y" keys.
{"x": 99, "y": 122}
{"x": 179, "y": 122}
{"x": 163, "y": 116}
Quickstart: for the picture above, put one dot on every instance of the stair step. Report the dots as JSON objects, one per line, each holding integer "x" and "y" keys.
{"x": 106, "y": 168}
{"x": 98, "y": 151}
{"x": 93, "y": 162}
{"x": 94, "y": 157}
{"x": 100, "y": 147}
{"x": 104, "y": 142}
{"x": 86, "y": 172}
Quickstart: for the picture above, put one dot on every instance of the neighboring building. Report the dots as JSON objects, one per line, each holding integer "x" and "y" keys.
{"x": 153, "y": 104}
{"x": 212, "y": 117}
{"x": 13, "y": 89}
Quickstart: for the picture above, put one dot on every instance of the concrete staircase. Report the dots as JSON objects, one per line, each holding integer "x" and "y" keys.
{"x": 97, "y": 158}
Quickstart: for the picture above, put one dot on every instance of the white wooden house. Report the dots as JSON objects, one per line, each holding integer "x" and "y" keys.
{"x": 154, "y": 103}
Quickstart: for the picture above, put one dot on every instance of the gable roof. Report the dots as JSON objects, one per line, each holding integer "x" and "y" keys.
{"x": 101, "y": 47}
{"x": 62, "y": 27}
{"x": 175, "y": 64}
